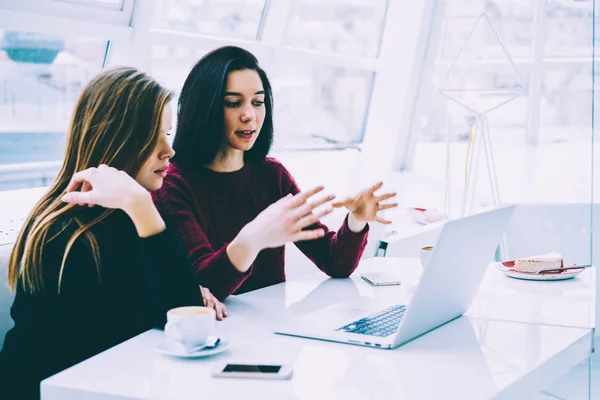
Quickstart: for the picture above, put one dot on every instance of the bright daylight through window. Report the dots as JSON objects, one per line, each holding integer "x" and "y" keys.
{"x": 41, "y": 77}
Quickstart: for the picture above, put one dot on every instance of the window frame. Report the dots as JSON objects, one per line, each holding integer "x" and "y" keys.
{"x": 130, "y": 33}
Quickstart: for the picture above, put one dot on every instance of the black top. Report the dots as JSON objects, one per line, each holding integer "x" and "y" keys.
{"x": 138, "y": 281}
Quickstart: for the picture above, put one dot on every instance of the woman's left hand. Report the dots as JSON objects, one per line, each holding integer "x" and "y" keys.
{"x": 212, "y": 302}
{"x": 365, "y": 205}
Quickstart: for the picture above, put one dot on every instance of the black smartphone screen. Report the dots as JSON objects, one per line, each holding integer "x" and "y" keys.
{"x": 261, "y": 369}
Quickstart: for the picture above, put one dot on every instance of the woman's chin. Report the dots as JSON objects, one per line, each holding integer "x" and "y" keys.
{"x": 243, "y": 145}
{"x": 152, "y": 184}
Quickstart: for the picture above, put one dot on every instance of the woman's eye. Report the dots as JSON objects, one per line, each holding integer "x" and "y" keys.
{"x": 232, "y": 104}
{"x": 258, "y": 103}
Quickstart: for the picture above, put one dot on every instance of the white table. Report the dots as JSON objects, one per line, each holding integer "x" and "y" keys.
{"x": 469, "y": 358}
{"x": 563, "y": 303}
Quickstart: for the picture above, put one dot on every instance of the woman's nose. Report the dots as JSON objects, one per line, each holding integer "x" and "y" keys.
{"x": 167, "y": 152}
{"x": 248, "y": 114}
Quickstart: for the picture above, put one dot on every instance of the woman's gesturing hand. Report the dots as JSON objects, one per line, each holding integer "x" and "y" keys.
{"x": 285, "y": 220}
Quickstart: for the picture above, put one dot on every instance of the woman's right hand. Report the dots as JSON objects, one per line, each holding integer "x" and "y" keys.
{"x": 104, "y": 186}
{"x": 110, "y": 188}
{"x": 283, "y": 221}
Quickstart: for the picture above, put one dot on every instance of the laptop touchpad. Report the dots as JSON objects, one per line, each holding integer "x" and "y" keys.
{"x": 330, "y": 318}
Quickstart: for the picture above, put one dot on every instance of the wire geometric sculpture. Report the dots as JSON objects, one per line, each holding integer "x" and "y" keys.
{"x": 459, "y": 86}
{"x": 457, "y": 83}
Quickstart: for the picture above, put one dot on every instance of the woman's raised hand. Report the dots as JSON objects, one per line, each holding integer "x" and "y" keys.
{"x": 104, "y": 186}
{"x": 285, "y": 220}
{"x": 366, "y": 204}
{"x": 110, "y": 188}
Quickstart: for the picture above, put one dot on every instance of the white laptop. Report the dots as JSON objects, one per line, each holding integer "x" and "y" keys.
{"x": 448, "y": 284}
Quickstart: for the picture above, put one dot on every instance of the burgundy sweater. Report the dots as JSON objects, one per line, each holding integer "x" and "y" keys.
{"x": 207, "y": 210}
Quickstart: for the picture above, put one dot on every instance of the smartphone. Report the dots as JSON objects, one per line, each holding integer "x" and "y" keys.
{"x": 260, "y": 371}
{"x": 381, "y": 279}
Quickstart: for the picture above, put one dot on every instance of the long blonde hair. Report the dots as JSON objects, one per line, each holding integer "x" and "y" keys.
{"x": 116, "y": 122}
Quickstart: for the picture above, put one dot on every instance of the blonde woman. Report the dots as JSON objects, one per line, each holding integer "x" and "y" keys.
{"x": 94, "y": 264}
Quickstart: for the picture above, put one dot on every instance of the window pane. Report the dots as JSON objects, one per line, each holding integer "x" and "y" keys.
{"x": 236, "y": 18}
{"x": 114, "y": 4}
{"x": 568, "y": 28}
{"x": 171, "y": 65}
{"x": 320, "y": 106}
{"x": 41, "y": 77}
{"x": 532, "y": 165}
{"x": 315, "y": 106}
{"x": 566, "y": 103}
{"x": 345, "y": 27}
{"x": 512, "y": 20}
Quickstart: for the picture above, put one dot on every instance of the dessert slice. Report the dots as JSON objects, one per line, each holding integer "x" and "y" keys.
{"x": 539, "y": 263}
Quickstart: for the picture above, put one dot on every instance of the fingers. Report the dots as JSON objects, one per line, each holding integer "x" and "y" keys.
{"x": 301, "y": 197}
{"x": 387, "y": 206}
{"x": 383, "y": 221}
{"x": 79, "y": 178}
{"x": 212, "y": 302}
{"x": 209, "y": 301}
{"x": 308, "y": 235}
{"x": 373, "y": 188}
{"x": 311, "y": 219}
{"x": 342, "y": 203}
{"x": 307, "y": 208}
{"x": 86, "y": 187}
{"x": 321, "y": 201}
{"x": 384, "y": 197}
{"x": 221, "y": 310}
{"x": 79, "y": 197}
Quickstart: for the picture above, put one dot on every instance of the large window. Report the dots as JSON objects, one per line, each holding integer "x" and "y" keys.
{"x": 335, "y": 98}
{"x": 541, "y": 140}
{"x": 322, "y": 97}
{"x": 345, "y": 27}
{"x": 114, "y": 4}
{"x": 236, "y": 18}
{"x": 323, "y": 58}
{"x": 41, "y": 77}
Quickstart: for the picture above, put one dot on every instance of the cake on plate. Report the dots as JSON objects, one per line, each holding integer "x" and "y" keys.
{"x": 539, "y": 263}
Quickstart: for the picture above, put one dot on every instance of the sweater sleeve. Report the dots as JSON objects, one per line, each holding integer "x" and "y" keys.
{"x": 213, "y": 268}
{"x": 337, "y": 253}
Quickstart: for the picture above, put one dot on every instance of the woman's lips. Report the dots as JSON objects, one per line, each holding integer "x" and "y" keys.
{"x": 247, "y": 134}
{"x": 161, "y": 172}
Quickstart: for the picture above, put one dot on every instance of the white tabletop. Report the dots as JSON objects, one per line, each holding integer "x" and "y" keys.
{"x": 565, "y": 303}
{"x": 469, "y": 358}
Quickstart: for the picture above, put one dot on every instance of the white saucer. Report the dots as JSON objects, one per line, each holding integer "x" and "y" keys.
{"x": 170, "y": 348}
{"x": 506, "y": 269}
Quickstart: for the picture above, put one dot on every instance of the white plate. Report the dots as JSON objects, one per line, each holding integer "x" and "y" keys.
{"x": 510, "y": 272}
{"x": 170, "y": 348}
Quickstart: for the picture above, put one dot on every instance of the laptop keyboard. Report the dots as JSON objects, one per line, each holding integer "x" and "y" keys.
{"x": 381, "y": 324}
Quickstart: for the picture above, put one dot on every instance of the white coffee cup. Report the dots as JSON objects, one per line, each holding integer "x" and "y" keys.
{"x": 190, "y": 326}
{"x": 425, "y": 253}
